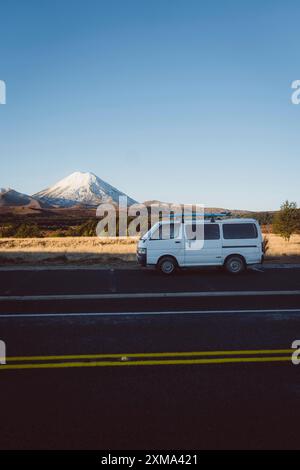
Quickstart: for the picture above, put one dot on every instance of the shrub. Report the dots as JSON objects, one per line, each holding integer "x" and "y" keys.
{"x": 266, "y": 244}
{"x": 87, "y": 229}
{"x": 8, "y": 231}
{"x": 286, "y": 221}
{"x": 28, "y": 231}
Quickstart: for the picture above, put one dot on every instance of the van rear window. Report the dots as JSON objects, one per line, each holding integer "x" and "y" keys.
{"x": 236, "y": 231}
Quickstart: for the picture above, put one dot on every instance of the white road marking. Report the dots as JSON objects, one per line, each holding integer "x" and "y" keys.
{"x": 146, "y": 295}
{"x": 70, "y": 267}
{"x": 260, "y": 270}
{"x": 133, "y": 267}
{"x": 170, "y": 312}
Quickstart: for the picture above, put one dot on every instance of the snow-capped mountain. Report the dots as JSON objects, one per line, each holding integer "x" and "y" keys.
{"x": 80, "y": 189}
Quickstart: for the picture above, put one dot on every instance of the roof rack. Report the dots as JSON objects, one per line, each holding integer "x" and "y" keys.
{"x": 193, "y": 215}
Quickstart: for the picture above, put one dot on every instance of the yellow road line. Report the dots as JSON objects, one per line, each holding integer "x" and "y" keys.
{"x": 145, "y": 363}
{"x": 143, "y": 355}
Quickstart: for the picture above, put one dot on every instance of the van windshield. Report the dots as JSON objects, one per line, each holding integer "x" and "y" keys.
{"x": 162, "y": 231}
{"x": 148, "y": 234}
{"x": 165, "y": 231}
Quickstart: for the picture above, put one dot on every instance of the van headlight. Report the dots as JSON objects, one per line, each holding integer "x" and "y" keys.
{"x": 142, "y": 251}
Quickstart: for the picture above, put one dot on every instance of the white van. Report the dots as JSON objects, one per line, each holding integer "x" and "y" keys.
{"x": 232, "y": 243}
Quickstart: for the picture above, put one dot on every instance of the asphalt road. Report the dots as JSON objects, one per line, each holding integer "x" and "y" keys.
{"x": 108, "y": 290}
{"x": 177, "y": 373}
{"x": 93, "y": 281}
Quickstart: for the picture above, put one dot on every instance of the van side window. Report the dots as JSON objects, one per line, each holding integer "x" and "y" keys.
{"x": 236, "y": 231}
{"x": 211, "y": 232}
{"x": 190, "y": 230}
{"x": 194, "y": 231}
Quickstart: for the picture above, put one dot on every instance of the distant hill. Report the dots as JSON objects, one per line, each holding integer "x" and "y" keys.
{"x": 155, "y": 202}
{"x": 11, "y": 198}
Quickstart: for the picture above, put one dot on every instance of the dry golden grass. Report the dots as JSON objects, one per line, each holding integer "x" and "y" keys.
{"x": 277, "y": 246}
{"x": 80, "y": 250}
{"x": 107, "y": 251}
{"x": 69, "y": 245}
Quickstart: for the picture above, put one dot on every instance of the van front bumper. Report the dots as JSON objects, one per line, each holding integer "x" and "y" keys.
{"x": 141, "y": 258}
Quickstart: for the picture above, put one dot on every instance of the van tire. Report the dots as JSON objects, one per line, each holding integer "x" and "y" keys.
{"x": 235, "y": 264}
{"x": 167, "y": 265}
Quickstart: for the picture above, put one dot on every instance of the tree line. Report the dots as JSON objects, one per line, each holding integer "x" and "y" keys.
{"x": 284, "y": 222}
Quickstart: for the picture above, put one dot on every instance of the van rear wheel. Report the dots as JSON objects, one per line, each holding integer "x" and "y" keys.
{"x": 167, "y": 265}
{"x": 235, "y": 264}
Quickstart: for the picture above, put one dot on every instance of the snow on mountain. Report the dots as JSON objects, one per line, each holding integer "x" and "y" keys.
{"x": 80, "y": 188}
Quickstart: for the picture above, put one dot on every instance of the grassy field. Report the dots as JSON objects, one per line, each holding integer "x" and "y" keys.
{"x": 277, "y": 246}
{"x": 108, "y": 251}
{"x": 78, "y": 250}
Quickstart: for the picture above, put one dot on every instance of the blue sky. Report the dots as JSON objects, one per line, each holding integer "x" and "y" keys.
{"x": 177, "y": 100}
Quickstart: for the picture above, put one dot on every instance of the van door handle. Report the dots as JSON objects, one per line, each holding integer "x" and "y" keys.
{"x": 178, "y": 241}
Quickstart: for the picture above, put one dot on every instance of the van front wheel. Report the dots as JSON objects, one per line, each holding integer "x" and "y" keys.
{"x": 167, "y": 265}
{"x": 235, "y": 264}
